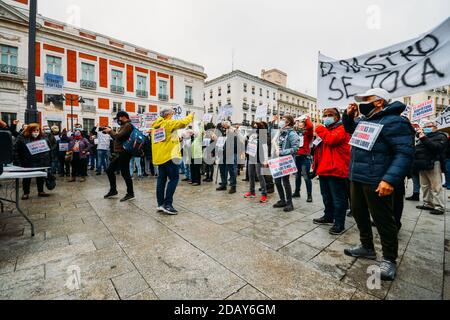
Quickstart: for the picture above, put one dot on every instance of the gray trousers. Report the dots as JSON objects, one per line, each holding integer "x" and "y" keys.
{"x": 433, "y": 192}
{"x": 255, "y": 170}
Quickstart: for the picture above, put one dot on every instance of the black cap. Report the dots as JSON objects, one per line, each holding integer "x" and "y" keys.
{"x": 122, "y": 114}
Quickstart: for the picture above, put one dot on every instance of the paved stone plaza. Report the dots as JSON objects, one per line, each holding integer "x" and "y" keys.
{"x": 219, "y": 247}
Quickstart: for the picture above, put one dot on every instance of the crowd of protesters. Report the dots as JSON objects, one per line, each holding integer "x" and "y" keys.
{"x": 369, "y": 183}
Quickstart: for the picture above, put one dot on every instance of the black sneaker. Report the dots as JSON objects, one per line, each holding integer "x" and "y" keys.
{"x": 289, "y": 208}
{"x": 170, "y": 210}
{"x": 280, "y": 204}
{"x": 361, "y": 252}
{"x": 323, "y": 221}
{"x": 127, "y": 198}
{"x": 111, "y": 194}
{"x": 310, "y": 199}
{"x": 437, "y": 212}
{"x": 222, "y": 188}
{"x": 425, "y": 208}
{"x": 296, "y": 195}
{"x": 337, "y": 231}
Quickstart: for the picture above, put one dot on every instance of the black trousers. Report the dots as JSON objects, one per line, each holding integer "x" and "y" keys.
{"x": 399, "y": 204}
{"x": 76, "y": 165}
{"x": 286, "y": 192}
{"x": 196, "y": 176}
{"x": 26, "y": 184}
{"x": 122, "y": 163}
{"x": 366, "y": 202}
{"x": 64, "y": 167}
{"x": 209, "y": 168}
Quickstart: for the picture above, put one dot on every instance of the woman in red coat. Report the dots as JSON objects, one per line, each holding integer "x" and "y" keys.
{"x": 331, "y": 164}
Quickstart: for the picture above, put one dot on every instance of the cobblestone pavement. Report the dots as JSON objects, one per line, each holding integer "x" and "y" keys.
{"x": 219, "y": 247}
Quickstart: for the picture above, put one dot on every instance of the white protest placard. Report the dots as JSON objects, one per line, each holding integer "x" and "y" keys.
{"x": 403, "y": 69}
{"x": 159, "y": 135}
{"x": 180, "y": 113}
{"x": 63, "y": 147}
{"x": 261, "y": 112}
{"x": 207, "y": 117}
{"x": 443, "y": 121}
{"x": 206, "y": 142}
{"x": 221, "y": 142}
{"x": 225, "y": 112}
{"x": 150, "y": 116}
{"x": 365, "y": 135}
{"x": 423, "y": 110}
{"x": 38, "y": 147}
{"x": 282, "y": 167}
{"x": 136, "y": 120}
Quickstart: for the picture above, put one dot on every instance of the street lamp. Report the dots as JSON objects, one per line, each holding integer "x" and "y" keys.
{"x": 71, "y": 99}
{"x": 31, "y": 114}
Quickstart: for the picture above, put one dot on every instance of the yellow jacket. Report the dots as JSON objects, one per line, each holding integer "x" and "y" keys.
{"x": 170, "y": 148}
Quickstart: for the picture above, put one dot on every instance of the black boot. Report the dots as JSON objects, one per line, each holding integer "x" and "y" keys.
{"x": 414, "y": 197}
{"x": 310, "y": 199}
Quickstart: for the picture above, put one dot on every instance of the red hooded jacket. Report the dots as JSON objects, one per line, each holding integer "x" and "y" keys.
{"x": 308, "y": 137}
{"x": 332, "y": 156}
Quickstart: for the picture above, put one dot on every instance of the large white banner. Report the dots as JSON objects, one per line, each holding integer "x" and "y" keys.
{"x": 403, "y": 69}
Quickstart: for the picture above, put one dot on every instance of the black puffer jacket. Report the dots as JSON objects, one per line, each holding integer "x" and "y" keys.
{"x": 430, "y": 149}
{"x": 23, "y": 157}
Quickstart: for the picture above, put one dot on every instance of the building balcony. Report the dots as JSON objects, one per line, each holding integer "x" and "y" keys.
{"x": 245, "y": 107}
{"x": 117, "y": 89}
{"x": 88, "y": 84}
{"x": 142, "y": 93}
{"x": 189, "y": 101}
{"x": 163, "y": 97}
{"x": 254, "y": 108}
{"x": 275, "y": 112}
{"x": 13, "y": 72}
{"x": 269, "y": 112}
{"x": 211, "y": 110}
{"x": 88, "y": 108}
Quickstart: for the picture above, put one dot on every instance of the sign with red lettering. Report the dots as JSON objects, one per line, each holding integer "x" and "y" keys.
{"x": 282, "y": 167}
{"x": 365, "y": 135}
{"x": 423, "y": 110}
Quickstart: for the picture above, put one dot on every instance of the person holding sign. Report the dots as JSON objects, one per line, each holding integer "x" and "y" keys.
{"x": 63, "y": 148}
{"x": 288, "y": 145}
{"x": 258, "y": 155}
{"x": 32, "y": 150}
{"x": 305, "y": 129}
{"x": 382, "y": 156}
{"x": 331, "y": 163}
{"x": 167, "y": 156}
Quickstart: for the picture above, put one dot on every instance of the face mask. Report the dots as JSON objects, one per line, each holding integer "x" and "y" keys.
{"x": 35, "y": 134}
{"x": 328, "y": 121}
{"x": 282, "y": 124}
{"x": 427, "y": 131}
{"x": 48, "y": 131}
{"x": 366, "y": 108}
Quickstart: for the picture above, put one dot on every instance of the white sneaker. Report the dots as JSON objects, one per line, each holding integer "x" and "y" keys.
{"x": 160, "y": 209}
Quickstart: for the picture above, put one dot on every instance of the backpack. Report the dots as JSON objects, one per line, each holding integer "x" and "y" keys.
{"x": 135, "y": 143}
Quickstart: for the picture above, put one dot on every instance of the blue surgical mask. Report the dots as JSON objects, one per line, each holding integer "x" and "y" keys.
{"x": 282, "y": 124}
{"x": 427, "y": 131}
{"x": 328, "y": 121}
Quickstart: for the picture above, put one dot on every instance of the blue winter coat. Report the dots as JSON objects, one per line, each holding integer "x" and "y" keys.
{"x": 392, "y": 156}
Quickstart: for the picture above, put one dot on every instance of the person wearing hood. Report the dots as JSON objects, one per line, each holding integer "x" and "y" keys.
{"x": 288, "y": 145}
{"x": 375, "y": 175}
{"x": 331, "y": 164}
{"x": 429, "y": 161}
{"x": 167, "y": 156}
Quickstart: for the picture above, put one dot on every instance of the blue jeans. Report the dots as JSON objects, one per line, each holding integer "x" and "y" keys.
{"x": 334, "y": 195}
{"x": 304, "y": 167}
{"x": 137, "y": 161}
{"x": 187, "y": 171}
{"x": 416, "y": 183}
{"x": 102, "y": 160}
{"x": 182, "y": 168}
{"x": 92, "y": 159}
{"x": 225, "y": 171}
{"x": 447, "y": 174}
{"x": 55, "y": 166}
{"x": 165, "y": 191}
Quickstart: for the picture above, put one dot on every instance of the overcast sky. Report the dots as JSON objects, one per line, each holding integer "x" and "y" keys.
{"x": 283, "y": 34}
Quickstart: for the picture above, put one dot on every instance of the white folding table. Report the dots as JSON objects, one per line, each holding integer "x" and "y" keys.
{"x": 16, "y": 173}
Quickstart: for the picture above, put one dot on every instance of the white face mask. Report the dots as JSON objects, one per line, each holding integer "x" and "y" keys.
{"x": 35, "y": 134}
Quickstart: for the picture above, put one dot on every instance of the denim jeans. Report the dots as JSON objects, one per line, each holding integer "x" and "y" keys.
{"x": 447, "y": 174}
{"x": 55, "y": 166}
{"x": 225, "y": 171}
{"x": 136, "y": 161}
{"x": 187, "y": 171}
{"x": 102, "y": 160}
{"x": 165, "y": 191}
{"x": 334, "y": 195}
{"x": 304, "y": 166}
{"x": 416, "y": 182}
{"x": 92, "y": 159}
